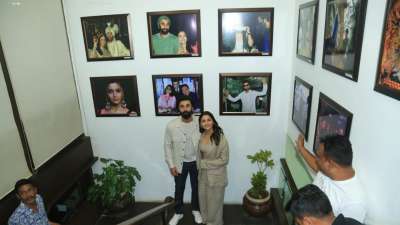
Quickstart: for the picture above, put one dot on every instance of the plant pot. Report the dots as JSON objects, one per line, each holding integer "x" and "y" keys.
{"x": 119, "y": 208}
{"x": 257, "y": 207}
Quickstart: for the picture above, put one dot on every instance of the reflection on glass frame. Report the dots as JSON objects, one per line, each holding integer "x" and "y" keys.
{"x": 332, "y": 119}
{"x": 388, "y": 74}
{"x": 245, "y": 93}
{"x": 115, "y": 96}
{"x": 245, "y": 32}
{"x": 302, "y": 96}
{"x": 168, "y": 88}
{"x": 174, "y": 33}
{"x": 344, "y": 29}
{"x": 107, "y": 37}
{"x": 307, "y": 31}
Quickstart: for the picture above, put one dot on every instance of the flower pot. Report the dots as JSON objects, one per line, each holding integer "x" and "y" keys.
{"x": 256, "y": 207}
{"x": 119, "y": 208}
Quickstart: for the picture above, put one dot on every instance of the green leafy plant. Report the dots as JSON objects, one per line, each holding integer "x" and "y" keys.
{"x": 115, "y": 186}
{"x": 259, "y": 179}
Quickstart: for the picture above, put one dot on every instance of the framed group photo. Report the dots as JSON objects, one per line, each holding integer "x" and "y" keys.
{"x": 245, "y": 93}
{"x": 168, "y": 88}
{"x": 245, "y": 32}
{"x": 115, "y": 96}
{"x": 388, "y": 74}
{"x": 174, "y": 33}
{"x": 307, "y": 31}
{"x": 344, "y": 29}
{"x": 107, "y": 37}
{"x": 302, "y": 98}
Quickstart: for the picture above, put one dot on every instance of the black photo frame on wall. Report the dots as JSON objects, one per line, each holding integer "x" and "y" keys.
{"x": 332, "y": 119}
{"x": 302, "y": 99}
{"x": 307, "y": 31}
{"x": 344, "y": 30}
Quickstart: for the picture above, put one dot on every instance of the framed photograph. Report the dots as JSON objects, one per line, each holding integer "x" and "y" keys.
{"x": 302, "y": 97}
{"x": 388, "y": 74}
{"x": 307, "y": 31}
{"x": 174, "y": 33}
{"x": 107, "y": 37}
{"x": 245, "y": 93}
{"x": 344, "y": 29}
{"x": 332, "y": 119}
{"x": 245, "y": 32}
{"x": 168, "y": 88}
{"x": 115, "y": 96}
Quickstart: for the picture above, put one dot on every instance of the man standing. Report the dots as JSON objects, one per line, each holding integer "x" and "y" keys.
{"x": 164, "y": 43}
{"x": 180, "y": 145}
{"x": 31, "y": 210}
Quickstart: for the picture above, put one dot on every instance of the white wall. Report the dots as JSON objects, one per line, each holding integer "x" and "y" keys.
{"x": 374, "y": 131}
{"x": 138, "y": 141}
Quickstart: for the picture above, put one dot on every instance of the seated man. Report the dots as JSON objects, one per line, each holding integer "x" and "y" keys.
{"x": 31, "y": 210}
{"x": 310, "y": 206}
{"x": 336, "y": 176}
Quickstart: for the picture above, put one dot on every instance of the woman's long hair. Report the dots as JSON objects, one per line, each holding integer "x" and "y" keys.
{"x": 218, "y": 132}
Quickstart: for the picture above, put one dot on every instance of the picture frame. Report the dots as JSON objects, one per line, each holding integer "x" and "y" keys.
{"x": 343, "y": 37}
{"x": 174, "y": 33}
{"x": 107, "y": 37}
{"x": 115, "y": 96}
{"x": 245, "y": 94}
{"x": 332, "y": 119}
{"x": 307, "y": 31}
{"x": 168, "y": 88}
{"x": 245, "y": 31}
{"x": 387, "y": 76}
{"x": 301, "y": 108}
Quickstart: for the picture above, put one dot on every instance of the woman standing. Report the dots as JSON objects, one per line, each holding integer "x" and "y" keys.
{"x": 167, "y": 102}
{"x": 213, "y": 156}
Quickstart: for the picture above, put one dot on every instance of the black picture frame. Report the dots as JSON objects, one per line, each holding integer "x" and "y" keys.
{"x": 388, "y": 83}
{"x": 182, "y": 23}
{"x": 301, "y": 108}
{"x": 332, "y": 119}
{"x": 239, "y": 27}
{"x": 342, "y": 48}
{"x": 233, "y": 83}
{"x": 189, "y": 84}
{"x": 96, "y": 30}
{"x": 307, "y": 31}
{"x": 104, "y": 87}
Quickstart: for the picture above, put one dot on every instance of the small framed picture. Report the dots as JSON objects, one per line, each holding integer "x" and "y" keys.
{"x": 245, "y": 32}
{"x": 344, "y": 29}
{"x": 245, "y": 93}
{"x": 388, "y": 74}
{"x": 307, "y": 31}
{"x": 332, "y": 119}
{"x": 302, "y": 97}
{"x": 115, "y": 96}
{"x": 174, "y": 33}
{"x": 107, "y": 37}
{"x": 168, "y": 88}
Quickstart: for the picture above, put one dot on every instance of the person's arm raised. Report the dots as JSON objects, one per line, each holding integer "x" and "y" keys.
{"x": 308, "y": 157}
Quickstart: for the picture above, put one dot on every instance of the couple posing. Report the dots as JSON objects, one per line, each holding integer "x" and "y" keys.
{"x": 199, "y": 149}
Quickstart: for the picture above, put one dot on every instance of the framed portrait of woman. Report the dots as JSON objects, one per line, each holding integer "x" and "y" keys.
{"x": 174, "y": 33}
{"x": 245, "y": 32}
{"x": 115, "y": 96}
{"x": 307, "y": 31}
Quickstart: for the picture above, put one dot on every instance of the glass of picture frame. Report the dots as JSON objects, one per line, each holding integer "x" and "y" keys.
{"x": 302, "y": 99}
{"x": 307, "y": 31}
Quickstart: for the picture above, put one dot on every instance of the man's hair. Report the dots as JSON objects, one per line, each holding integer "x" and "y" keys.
{"x": 338, "y": 149}
{"x": 245, "y": 81}
{"x": 309, "y": 201}
{"x": 21, "y": 183}
{"x": 184, "y": 98}
{"x": 184, "y": 85}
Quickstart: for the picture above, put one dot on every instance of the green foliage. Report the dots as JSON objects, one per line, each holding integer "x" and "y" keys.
{"x": 116, "y": 183}
{"x": 259, "y": 179}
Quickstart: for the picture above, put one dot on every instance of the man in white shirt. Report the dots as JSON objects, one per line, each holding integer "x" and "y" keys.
{"x": 247, "y": 97}
{"x": 336, "y": 176}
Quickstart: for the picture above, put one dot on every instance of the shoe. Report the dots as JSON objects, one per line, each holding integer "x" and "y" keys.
{"x": 197, "y": 217}
{"x": 175, "y": 219}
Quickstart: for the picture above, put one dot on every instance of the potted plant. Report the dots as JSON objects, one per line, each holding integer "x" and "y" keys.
{"x": 113, "y": 189}
{"x": 256, "y": 201}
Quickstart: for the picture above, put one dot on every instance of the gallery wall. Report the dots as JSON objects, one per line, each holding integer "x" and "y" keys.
{"x": 139, "y": 140}
{"x": 374, "y": 133}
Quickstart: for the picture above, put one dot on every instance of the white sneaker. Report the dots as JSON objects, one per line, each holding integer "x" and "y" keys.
{"x": 197, "y": 217}
{"x": 175, "y": 219}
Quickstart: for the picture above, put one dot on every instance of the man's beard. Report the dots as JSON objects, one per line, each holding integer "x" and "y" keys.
{"x": 164, "y": 31}
{"x": 186, "y": 114}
